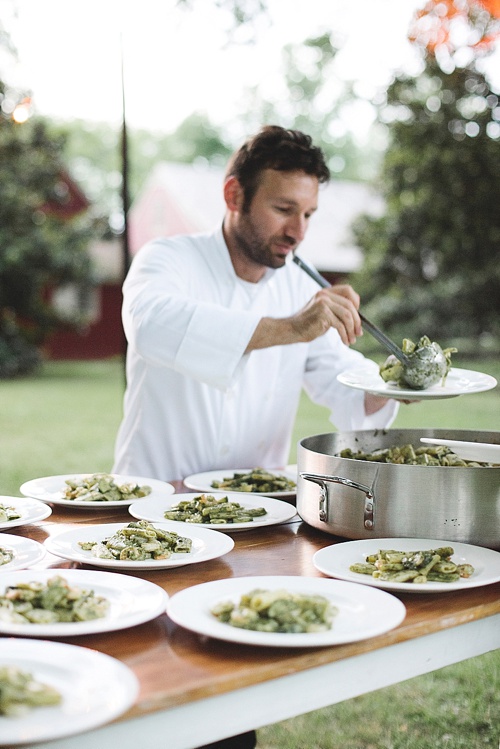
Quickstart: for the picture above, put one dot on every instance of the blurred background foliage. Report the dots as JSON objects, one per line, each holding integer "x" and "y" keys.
{"x": 431, "y": 259}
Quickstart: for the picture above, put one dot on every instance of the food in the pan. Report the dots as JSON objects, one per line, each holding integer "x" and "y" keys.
{"x": 6, "y": 555}
{"x": 138, "y": 542}
{"x": 277, "y": 611}
{"x": 213, "y": 511}
{"x": 428, "y": 363}
{"x": 8, "y": 513}
{"x": 438, "y": 455}
{"x": 256, "y": 480}
{"x": 20, "y": 692}
{"x": 421, "y": 566}
{"x": 55, "y": 601}
{"x": 102, "y": 487}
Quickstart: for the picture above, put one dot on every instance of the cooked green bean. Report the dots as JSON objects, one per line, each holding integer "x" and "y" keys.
{"x": 212, "y": 511}
{"x": 6, "y": 555}
{"x": 420, "y": 566}
{"x": 256, "y": 480}
{"x": 438, "y": 455}
{"x": 8, "y": 513}
{"x": 277, "y": 611}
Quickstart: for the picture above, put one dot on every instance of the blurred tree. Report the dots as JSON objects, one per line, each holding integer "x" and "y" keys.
{"x": 40, "y": 250}
{"x": 432, "y": 261}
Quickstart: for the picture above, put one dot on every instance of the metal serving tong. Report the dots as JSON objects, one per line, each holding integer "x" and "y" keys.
{"x": 369, "y": 326}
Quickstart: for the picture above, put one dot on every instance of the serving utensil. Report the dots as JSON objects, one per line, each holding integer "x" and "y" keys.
{"x": 482, "y": 452}
{"x": 369, "y": 326}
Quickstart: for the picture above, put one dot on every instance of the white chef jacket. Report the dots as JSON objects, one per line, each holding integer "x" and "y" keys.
{"x": 194, "y": 400}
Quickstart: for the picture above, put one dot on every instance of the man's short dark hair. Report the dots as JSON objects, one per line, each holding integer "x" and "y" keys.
{"x": 275, "y": 147}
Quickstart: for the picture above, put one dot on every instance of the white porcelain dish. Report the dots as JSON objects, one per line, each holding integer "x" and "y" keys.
{"x": 360, "y": 616}
{"x": 277, "y": 511}
{"x": 207, "y": 544}
{"x": 202, "y": 482}
{"x": 458, "y": 382}
{"x": 26, "y": 552}
{"x": 335, "y": 561}
{"x": 132, "y": 601}
{"x": 94, "y": 688}
{"x": 50, "y": 489}
{"x": 31, "y": 511}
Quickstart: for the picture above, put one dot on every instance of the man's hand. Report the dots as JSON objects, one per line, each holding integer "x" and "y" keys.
{"x": 334, "y": 307}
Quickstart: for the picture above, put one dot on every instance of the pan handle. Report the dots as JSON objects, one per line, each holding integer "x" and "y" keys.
{"x": 323, "y": 481}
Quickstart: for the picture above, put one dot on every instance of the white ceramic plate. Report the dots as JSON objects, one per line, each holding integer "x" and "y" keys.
{"x": 94, "y": 687}
{"x": 277, "y": 511}
{"x": 360, "y": 616}
{"x": 335, "y": 561}
{"x": 202, "y": 482}
{"x": 26, "y": 552}
{"x": 207, "y": 544}
{"x": 132, "y": 601}
{"x": 458, "y": 382}
{"x": 50, "y": 489}
{"x": 30, "y": 510}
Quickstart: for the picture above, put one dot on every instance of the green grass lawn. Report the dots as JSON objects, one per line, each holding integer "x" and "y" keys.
{"x": 65, "y": 420}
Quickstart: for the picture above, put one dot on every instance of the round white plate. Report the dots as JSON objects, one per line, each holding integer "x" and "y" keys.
{"x": 94, "y": 687}
{"x": 277, "y": 511}
{"x": 50, "y": 489}
{"x": 31, "y": 510}
{"x": 335, "y": 561}
{"x": 360, "y": 616}
{"x": 458, "y": 382}
{"x": 26, "y": 552}
{"x": 207, "y": 544}
{"x": 132, "y": 601}
{"x": 202, "y": 482}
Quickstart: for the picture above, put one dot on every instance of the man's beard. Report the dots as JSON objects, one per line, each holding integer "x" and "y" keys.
{"x": 254, "y": 248}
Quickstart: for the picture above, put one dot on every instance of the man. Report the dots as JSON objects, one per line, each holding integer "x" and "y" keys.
{"x": 224, "y": 330}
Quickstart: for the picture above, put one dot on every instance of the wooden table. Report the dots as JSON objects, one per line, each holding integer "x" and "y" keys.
{"x": 194, "y": 690}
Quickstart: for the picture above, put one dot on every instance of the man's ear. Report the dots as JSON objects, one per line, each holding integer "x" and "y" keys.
{"x": 233, "y": 194}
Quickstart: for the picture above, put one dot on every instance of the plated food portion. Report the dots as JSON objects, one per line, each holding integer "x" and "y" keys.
{"x": 457, "y": 382}
{"x": 139, "y": 545}
{"x": 17, "y": 511}
{"x": 17, "y": 553}
{"x": 412, "y": 565}
{"x": 338, "y": 612}
{"x": 49, "y": 690}
{"x": 267, "y": 482}
{"x": 426, "y": 364}
{"x": 94, "y": 490}
{"x": 69, "y": 602}
{"x": 225, "y": 512}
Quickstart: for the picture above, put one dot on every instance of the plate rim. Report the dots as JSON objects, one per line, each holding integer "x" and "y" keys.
{"x": 408, "y": 394}
{"x": 412, "y": 588}
{"x": 161, "y": 564}
{"x": 227, "y": 633}
{"x": 43, "y": 653}
{"x": 255, "y": 500}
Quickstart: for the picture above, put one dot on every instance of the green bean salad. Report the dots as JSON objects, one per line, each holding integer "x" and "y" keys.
{"x": 20, "y": 692}
{"x": 138, "y": 542}
{"x": 421, "y": 566}
{"x": 256, "y": 480}
{"x": 102, "y": 487}
{"x": 213, "y": 511}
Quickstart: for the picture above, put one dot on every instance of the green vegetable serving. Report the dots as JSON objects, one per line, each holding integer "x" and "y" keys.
{"x": 137, "y": 542}
{"x": 207, "y": 509}
{"x": 429, "y": 363}
{"x": 20, "y": 692}
{"x": 57, "y": 601}
{"x": 6, "y": 555}
{"x": 277, "y": 611}
{"x": 102, "y": 487}
{"x": 431, "y": 565}
{"x": 8, "y": 513}
{"x": 440, "y": 455}
{"x": 256, "y": 480}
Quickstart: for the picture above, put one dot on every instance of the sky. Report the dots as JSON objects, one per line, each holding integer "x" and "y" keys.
{"x": 177, "y": 61}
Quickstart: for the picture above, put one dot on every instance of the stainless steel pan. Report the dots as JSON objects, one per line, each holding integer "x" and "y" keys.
{"x": 357, "y": 499}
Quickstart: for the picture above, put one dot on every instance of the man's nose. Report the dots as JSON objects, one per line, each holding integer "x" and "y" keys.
{"x": 296, "y": 227}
